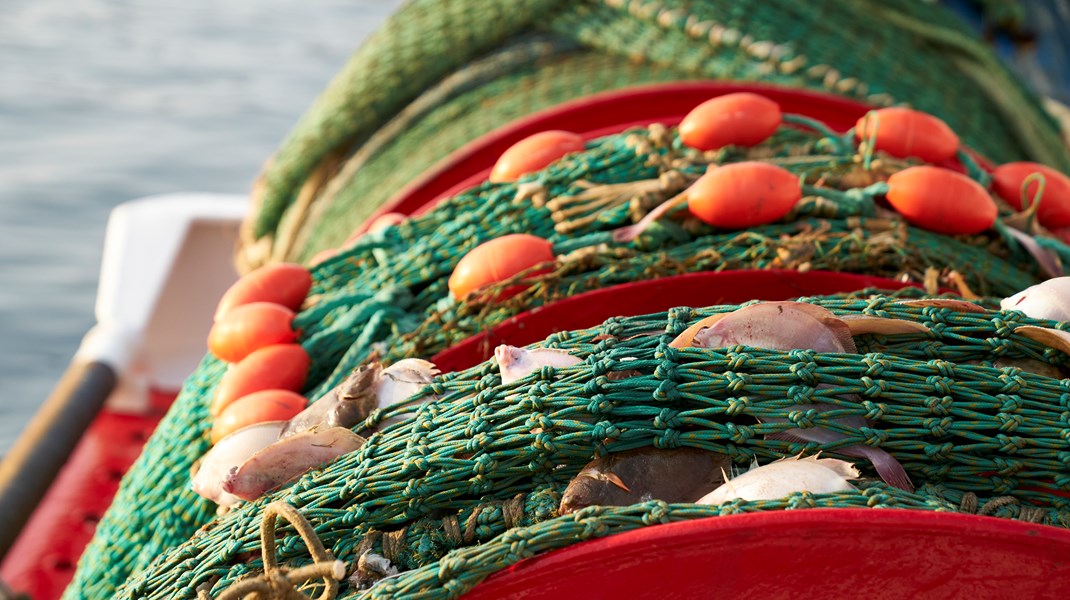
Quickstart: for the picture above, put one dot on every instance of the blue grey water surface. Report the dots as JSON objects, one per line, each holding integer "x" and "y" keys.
{"x": 103, "y": 101}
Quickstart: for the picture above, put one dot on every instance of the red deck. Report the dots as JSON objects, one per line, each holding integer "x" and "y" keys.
{"x": 42, "y": 561}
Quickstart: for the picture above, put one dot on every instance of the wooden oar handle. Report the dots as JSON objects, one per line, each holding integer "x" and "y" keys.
{"x": 28, "y": 470}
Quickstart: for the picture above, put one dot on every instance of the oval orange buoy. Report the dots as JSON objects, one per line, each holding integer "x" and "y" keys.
{"x": 905, "y": 132}
{"x": 282, "y": 283}
{"x": 533, "y": 153}
{"x": 249, "y": 327}
{"x": 740, "y": 119}
{"x": 497, "y": 260}
{"x": 275, "y": 367}
{"x": 941, "y": 200}
{"x": 258, "y": 407}
{"x": 1054, "y": 211}
{"x": 743, "y": 194}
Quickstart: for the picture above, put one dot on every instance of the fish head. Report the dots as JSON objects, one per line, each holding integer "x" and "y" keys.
{"x": 360, "y": 382}
{"x": 594, "y": 486}
{"x": 507, "y": 355}
{"x": 1047, "y": 300}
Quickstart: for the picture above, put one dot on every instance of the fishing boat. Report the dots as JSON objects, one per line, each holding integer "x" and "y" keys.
{"x": 167, "y": 262}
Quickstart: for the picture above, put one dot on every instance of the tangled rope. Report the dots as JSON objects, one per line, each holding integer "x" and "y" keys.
{"x": 1029, "y": 514}
{"x": 278, "y": 583}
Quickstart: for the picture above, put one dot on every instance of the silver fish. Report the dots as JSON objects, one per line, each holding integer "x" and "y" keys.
{"x": 517, "y": 363}
{"x": 229, "y": 453}
{"x": 796, "y": 325}
{"x": 369, "y": 387}
{"x": 287, "y": 459}
{"x": 886, "y": 465}
{"x": 783, "y": 477}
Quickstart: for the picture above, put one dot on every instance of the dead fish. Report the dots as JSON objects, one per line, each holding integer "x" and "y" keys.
{"x": 885, "y": 464}
{"x": 1029, "y": 365}
{"x": 955, "y": 305}
{"x": 796, "y": 325}
{"x": 624, "y": 478}
{"x": 517, "y": 363}
{"x": 287, "y": 459}
{"x": 369, "y": 387}
{"x": 227, "y": 454}
{"x": 784, "y": 477}
{"x": 400, "y": 381}
{"x": 789, "y": 326}
{"x": 1047, "y": 300}
{"x": 1047, "y": 259}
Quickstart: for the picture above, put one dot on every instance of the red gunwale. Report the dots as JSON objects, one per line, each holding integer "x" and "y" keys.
{"x": 603, "y": 114}
{"x": 642, "y": 297}
{"x": 818, "y": 553}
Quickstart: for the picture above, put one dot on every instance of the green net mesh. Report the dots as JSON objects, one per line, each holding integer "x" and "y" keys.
{"x": 933, "y": 400}
{"x": 437, "y": 76}
{"x": 385, "y": 297}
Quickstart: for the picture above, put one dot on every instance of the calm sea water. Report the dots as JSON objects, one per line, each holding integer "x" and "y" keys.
{"x": 103, "y": 101}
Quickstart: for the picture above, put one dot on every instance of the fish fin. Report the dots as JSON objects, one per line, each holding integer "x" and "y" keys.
{"x": 409, "y": 376}
{"x": 725, "y": 477}
{"x": 419, "y": 363}
{"x": 687, "y": 338}
{"x": 615, "y": 480}
{"x": 1048, "y": 260}
{"x": 840, "y": 467}
{"x": 788, "y": 436}
{"x": 843, "y": 333}
{"x": 859, "y": 324}
{"x": 818, "y": 312}
{"x": 1053, "y": 338}
{"x": 955, "y": 305}
{"x": 890, "y": 470}
{"x": 559, "y": 352}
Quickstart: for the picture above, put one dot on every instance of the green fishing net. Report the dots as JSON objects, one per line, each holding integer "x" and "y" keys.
{"x": 385, "y": 297}
{"x": 473, "y": 445}
{"x": 440, "y": 73}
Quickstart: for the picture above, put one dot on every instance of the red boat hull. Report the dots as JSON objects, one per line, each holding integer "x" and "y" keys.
{"x": 820, "y": 553}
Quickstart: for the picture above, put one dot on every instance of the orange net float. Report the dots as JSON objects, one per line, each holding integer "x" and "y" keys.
{"x": 904, "y": 132}
{"x": 285, "y": 284}
{"x": 248, "y": 328}
{"x": 279, "y": 366}
{"x": 498, "y": 260}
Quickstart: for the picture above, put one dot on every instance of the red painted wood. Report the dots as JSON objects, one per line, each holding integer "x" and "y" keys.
{"x": 41, "y": 562}
{"x": 830, "y": 553}
{"x": 643, "y": 297}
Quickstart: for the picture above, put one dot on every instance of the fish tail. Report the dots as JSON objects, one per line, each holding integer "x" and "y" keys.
{"x": 889, "y": 469}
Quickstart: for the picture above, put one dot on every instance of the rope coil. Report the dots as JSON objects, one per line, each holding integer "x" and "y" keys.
{"x": 280, "y": 583}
